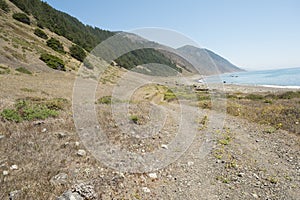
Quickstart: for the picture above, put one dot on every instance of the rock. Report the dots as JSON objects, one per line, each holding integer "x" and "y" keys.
{"x": 241, "y": 174}
{"x": 61, "y": 135}
{"x": 255, "y": 195}
{"x": 69, "y": 195}
{"x": 14, "y": 194}
{"x": 77, "y": 144}
{"x": 5, "y": 173}
{"x": 59, "y": 179}
{"x": 2, "y": 136}
{"x": 44, "y": 130}
{"x": 14, "y": 167}
{"x": 37, "y": 123}
{"x": 146, "y": 190}
{"x": 85, "y": 190}
{"x": 164, "y": 146}
{"x": 152, "y": 175}
{"x": 190, "y": 163}
{"x": 81, "y": 152}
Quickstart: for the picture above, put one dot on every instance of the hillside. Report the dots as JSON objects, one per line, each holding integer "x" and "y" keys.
{"x": 24, "y": 47}
{"x": 163, "y": 137}
{"x": 210, "y": 62}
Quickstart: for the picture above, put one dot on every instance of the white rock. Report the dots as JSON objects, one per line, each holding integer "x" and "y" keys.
{"x": 146, "y": 190}
{"x": 77, "y": 144}
{"x": 81, "y": 152}
{"x": 5, "y": 173}
{"x": 152, "y": 175}
{"x": 44, "y": 130}
{"x": 190, "y": 163}
{"x": 255, "y": 195}
{"x": 164, "y": 146}
{"x": 61, "y": 135}
{"x": 2, "y": 136}
{"x": 14, "y": 167}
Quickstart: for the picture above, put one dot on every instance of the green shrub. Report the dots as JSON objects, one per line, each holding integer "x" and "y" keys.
{"x": 105, "y": 100}
{"x": 289, "y": 95}
{"x": 53, "y": 62}
{"x": 254, "y": 97}
{"x": 23, "y": 70}
{"x": 77, "y": 52}
{"x": 33, "y": 109}
{"x": 22, "y": 18}
{"x": 134, "y": 118}
{"x": 11, "y": 115}
{"x": 55, "y": 45}
{"x": 169, "y": 95}
{"x": 38, "y": 32}
{"x": 4, "y": 6}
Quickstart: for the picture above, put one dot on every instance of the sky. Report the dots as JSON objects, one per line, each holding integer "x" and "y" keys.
{"x": 252, "y": 34}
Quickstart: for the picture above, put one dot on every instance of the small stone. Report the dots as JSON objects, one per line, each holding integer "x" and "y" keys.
{"x": 69, "y": 195}
{"x": 241, "y": 174}
{"x": 2, "y": 136}
{"x": 255, "y": 175}
{"x": 190, "y": 163}
{"x": 255, "y": 195}
{"x": 59, "y": 179}
{"x": 152, "y": 175}
{"x": 37, "y": 123}
{"x": 5, "y": 173}
{"x": 164, "y": 146}
{"x": 81, "y": 152}
{"x": 14, "y": 167}
{"x": 297, "y": 123}
{"x": 61, "y": 135}
{"x": 44, "y": 130}
{"x": 77, "y": 144}
{"x": 13, "y": 195}
{"x": 146, "y": 190}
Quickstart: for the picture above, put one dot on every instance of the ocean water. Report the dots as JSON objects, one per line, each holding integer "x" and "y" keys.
{"x": 285, "y": 78}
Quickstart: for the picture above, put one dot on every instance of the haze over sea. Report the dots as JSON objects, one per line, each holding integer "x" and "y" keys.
{"x": 282, "y": 78}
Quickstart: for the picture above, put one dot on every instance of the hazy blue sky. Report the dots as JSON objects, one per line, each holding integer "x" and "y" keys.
{"x": 253, "y": 34}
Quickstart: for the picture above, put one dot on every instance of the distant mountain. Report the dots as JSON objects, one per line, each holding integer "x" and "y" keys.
{"x": 46, "y": 30}
{"x": 207, "y": 61}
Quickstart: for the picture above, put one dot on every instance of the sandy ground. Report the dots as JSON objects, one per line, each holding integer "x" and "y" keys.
{"x": 216, "y": 156}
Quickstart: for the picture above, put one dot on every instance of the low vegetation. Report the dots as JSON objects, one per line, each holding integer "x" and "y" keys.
{"x": 104, "y": 100}
{"x": 23, "y": 70}
{"x": 134, "y": 119}
{"x": 4, "y": 6}
{"x": 77, "y": 52}
{"x": 55, "y": 45}
{"x": 53, "y": 62}
{"x": 33, "y": 109}
{"x": 21, "y": 17}
{"x": 40, "y": 33}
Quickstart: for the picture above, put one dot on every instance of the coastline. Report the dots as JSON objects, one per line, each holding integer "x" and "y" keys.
{"x": 258, "y": 88}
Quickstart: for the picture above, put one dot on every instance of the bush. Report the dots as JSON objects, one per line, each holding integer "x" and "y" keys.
{"x": 4, "y": 6}
{"x": 289, "y": 95}
{"x": 105, "y": 100}
{"x": 53, "y": 62}
{"x": 11, "y": 115}
{"x": 23, "y": 70}
{"x": 134, "y": 118}
{"x": 31, "y": 110}
{"x": 55, "y": 45}
{"x": 22, "y": 18}
{"x": 38, "y": 32}
{"x": 254, "y": 97}
{"x": 77, "y": 52}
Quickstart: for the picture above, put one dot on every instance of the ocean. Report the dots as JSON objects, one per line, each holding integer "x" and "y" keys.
{"x": 281, "y": 78}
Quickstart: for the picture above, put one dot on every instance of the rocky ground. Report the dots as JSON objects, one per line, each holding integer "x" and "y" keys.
{"x": 219, "y": 156}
